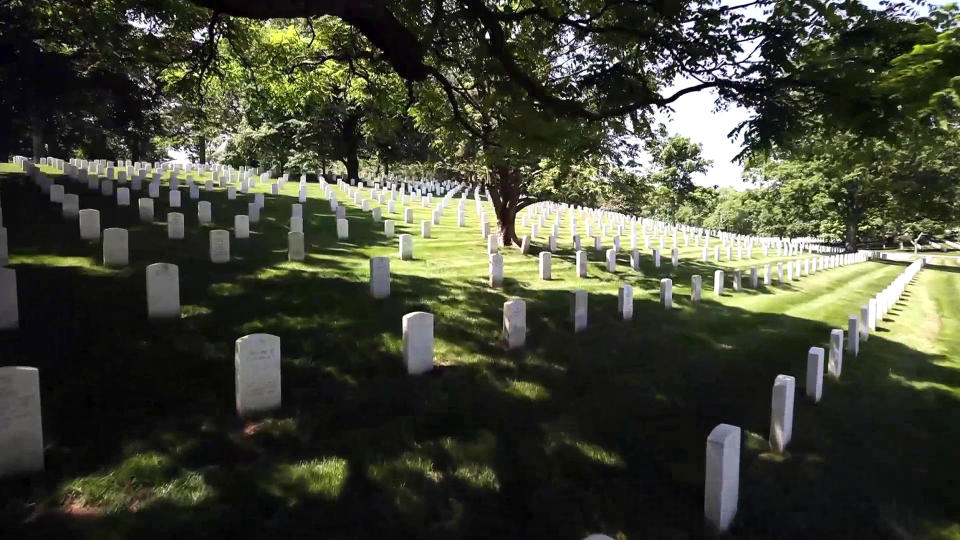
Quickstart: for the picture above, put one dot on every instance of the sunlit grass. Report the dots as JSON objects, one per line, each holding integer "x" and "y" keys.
{"x": 322, "y": 478}
{"x": 140, "y": 481}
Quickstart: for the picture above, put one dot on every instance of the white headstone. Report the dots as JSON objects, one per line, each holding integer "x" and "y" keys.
{"x": 204, "y": 212}
{"x": 56, "y": 193}
{"x": 581, "y": 264}
{"x": 343, "y": 230}
{"x": 496, "y": 270}
{"x": 174, "y": 198}
{"x": 296, "y": 246}
{"x": 722, "y": 485}
{"x": 70, "y": 205}
{"x": 257, "y": 366}
{"x": 175, "y": 226}
{"x": 718, "y": 282}
{"x": 425, "y": 229}
{"x": 578, "y": 309}
{"x": 145, "y": 207}
{"x": 815, "y": 373}
{"x": 163, "y": 291}
{"x": 835, "y": 363}
{"x": 116, "y": 250}
{"x": 220, "y": 246}
{"x": 21, "y": 426}
{"x": 666, "y": 293}
{"x": 9, "y": 307}
{"x": 89, "y": 224}
{"x": 379, "y": 277}
{"x": 493, "y": 244}
{"x": 781, "y": 413}
{"x": 515, "y": 323}
{"x": 546, "y": 263}
{"x": 123, "y": 196}
{"x": 864, "y": 323}
{"x": 853, "y": 335}
{"x": 418, "y": 342}
{"x": 406, "y": 247}
{"x": 241, "y": 226}
{"x": 696, "y": 288}
{"x": 296, "y": 224}
{"x": 625, "y": 302}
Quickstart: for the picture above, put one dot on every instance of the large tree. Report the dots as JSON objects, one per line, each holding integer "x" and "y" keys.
{"x": 512, "y": 74}
{"x": 81, "y": 78}
{"x": 881, "y": 140}
{"x": 676, "y": 160}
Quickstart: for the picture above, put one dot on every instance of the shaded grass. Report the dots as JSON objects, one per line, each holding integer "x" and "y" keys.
{"x": 602, "y": 431}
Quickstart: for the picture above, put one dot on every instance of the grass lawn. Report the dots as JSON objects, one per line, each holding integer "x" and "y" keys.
{"x": 602, "y": 431}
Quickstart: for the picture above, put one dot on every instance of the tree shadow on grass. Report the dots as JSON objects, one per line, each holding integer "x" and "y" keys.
{"x": 603, "y": 430}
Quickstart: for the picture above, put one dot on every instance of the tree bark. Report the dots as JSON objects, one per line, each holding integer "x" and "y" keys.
{"x": 505, "y": 194}
{"x": 36, "y": 134}
{"x": 371, "y": 17}
{"x": 352, "y": 163}
{"x": 853, "y": 222}
{"x": 202, "y": 149}
{"x": 350, "y": 137}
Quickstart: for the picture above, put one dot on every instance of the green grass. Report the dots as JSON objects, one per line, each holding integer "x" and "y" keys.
{"x": 602, "y": 431}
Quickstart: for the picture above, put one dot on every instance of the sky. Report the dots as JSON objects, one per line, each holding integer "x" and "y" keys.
{"x": 694, "y": 117}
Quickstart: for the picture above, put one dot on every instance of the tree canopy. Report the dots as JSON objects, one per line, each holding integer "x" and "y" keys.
{"x": 536, "y": 100}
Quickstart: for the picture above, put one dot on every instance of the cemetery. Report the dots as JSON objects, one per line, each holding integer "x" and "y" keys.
{"x": 240, "y": 345}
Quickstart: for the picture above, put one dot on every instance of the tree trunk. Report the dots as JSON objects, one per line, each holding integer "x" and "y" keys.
{"x": 505, "y": 196}
{"x": 350, "y": 136}
{"x": 386, "y": 168}
{"x": 202, "y": 149}
{"x": 36, "y": 134}
{"x": 135, "y": 148}
{"x": 352, "y": 163}
{"x": 853, "y": 223}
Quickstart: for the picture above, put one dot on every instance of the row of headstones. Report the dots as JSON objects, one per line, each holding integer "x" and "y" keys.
{"x": 123, "y": 196}
{"x": 792, "y": 245}
{"x": 723, "y": 444}
{"x": 116, "y": 253}
{"x": 116, "y": 247}
{"x": 794, "y": 268}
{"x": 782, "y": 248}
{"x": 89, "y": 219}
{"x": 115, "y": 240}
{"x": 163, "y": 295}
{"x": 601, "y": 218}
{"x": 162, "y": 280}
{"x": 105, "y": 167}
